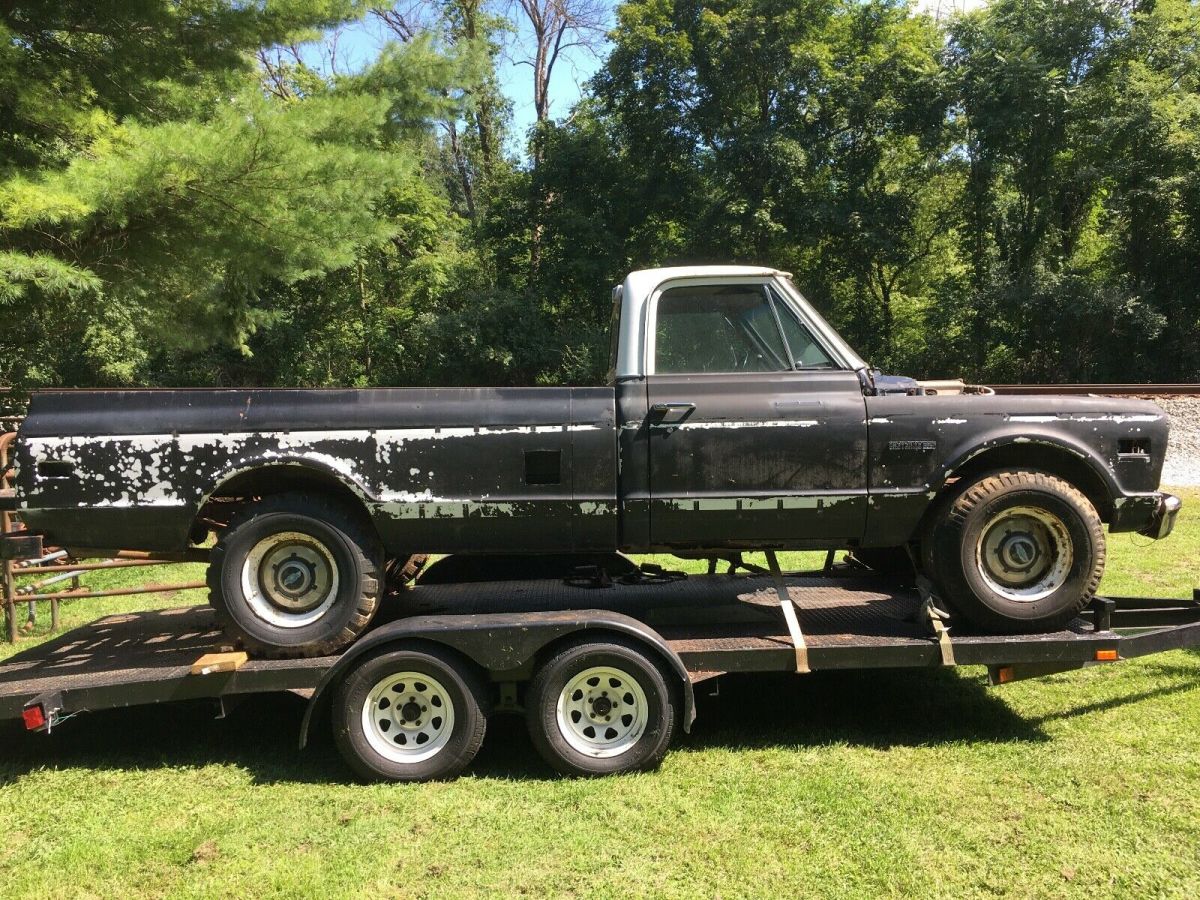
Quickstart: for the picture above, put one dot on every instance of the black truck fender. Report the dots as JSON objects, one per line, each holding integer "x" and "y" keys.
{"x": 1057, "y": 451}
{"x": 502, "y": 644}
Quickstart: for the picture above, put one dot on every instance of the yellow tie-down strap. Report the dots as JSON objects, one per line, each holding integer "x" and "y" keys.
{"x": 937, "y": 621}
{"x": 789, "y": 615}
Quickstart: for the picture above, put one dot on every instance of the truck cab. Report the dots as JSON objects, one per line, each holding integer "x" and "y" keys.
{"x": 742, "y": 413}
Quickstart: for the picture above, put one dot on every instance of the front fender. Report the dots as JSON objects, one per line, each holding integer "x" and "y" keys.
{"x": 1012, "y": 437}
{"x": 502, "y": 644}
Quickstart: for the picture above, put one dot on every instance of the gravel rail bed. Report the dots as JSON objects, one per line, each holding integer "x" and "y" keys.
{"x": 1183, "y": 449}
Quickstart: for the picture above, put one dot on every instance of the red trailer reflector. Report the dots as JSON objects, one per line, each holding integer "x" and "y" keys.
{"x": 34, "y": 717}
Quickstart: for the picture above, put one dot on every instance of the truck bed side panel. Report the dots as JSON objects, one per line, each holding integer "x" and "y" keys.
{"x": 470, "y": 469}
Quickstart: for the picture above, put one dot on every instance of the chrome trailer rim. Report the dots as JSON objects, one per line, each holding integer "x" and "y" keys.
{"x": 290, "y": 579}
{"x": 602, "y": 712}
{"x": 408, "y": 717}
{"x": 1025, "y": 553}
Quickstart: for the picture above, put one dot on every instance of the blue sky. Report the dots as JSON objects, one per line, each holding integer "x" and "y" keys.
{"x": 358, "y": 44}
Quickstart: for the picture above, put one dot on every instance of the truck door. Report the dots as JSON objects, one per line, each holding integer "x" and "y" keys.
{"x": 755, "y": 434}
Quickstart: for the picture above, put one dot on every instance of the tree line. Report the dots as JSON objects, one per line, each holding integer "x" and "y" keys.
{"x": 189, "y": 197}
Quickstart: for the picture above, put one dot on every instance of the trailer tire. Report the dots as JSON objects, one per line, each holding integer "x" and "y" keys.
{"x": 1017, "y": 551}
{"x": 296, "y": 575}
{"x": 601, "y": 707}
{"x": 411, "y": 714}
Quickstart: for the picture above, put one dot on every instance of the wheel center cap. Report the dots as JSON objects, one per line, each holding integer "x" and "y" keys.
{"x": 295, "y": 577}
{"x": 602, "y": 706}
{"x": 1019, "y": 552}
{"x": 410, "y": 711}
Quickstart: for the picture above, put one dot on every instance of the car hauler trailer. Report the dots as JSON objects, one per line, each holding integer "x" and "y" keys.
{"x": 603, "y": 668}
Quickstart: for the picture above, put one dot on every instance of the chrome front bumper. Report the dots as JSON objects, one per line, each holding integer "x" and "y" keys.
{"x": 1163, "y": 521}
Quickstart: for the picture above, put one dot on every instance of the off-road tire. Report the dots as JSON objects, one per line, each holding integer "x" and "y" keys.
{"x": 659, "y": 686}
{"x": 401, "y": 571}
{"x": 953, "y": 550}
{"x": 348, "y": 535}
{"x": 464, "y": 689}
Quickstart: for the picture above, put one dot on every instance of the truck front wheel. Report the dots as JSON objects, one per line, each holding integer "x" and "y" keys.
{"x": 296, "y": 575}
{"x": 602, "y": 707}
{"x": 1017, "y": 551}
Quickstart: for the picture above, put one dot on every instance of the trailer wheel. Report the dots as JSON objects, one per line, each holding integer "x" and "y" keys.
{"x": 409, "y": 715}
{"x": 296, "y": 575}
{"x": 602, "y": 707}
{"x": 1018, "y": 551}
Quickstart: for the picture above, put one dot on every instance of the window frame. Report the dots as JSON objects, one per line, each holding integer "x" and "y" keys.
{"x": 773, "y": 293}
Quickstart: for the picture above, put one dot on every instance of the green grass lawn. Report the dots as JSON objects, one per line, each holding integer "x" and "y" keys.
{"x": 844, "y": 784}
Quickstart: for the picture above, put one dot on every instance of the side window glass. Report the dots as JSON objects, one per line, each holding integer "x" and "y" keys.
{"x": 717, "y": 328}
{"x": 807, "y": 353}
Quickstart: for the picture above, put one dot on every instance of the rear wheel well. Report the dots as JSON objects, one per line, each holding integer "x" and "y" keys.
{"x": 1046, "y": 458}
{"x": 231, "y": 494}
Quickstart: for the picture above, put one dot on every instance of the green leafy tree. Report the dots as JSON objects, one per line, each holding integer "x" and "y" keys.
{"x": 150, "y": 189}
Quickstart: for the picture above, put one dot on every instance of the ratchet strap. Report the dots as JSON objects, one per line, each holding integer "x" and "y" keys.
{"x": 789, "y": 615}
{"x": 936, "y": 618}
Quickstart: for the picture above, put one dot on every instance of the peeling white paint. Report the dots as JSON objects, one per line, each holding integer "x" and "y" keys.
{"x": 732, "y": 504}
{"x": 950, "y": 421}
{"x": 1119, "y": 419}
{"x": 766, "y": 423}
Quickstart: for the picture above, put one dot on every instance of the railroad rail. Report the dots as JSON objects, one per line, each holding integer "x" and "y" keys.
{"x": 1108, "y": 390}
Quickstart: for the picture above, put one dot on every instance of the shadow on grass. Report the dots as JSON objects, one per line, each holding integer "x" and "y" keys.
{"x": 878, "y": 709}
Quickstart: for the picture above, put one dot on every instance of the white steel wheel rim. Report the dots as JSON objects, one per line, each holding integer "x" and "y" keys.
{"x": 1025, "y": 553}
{"x": 289, "y": 579}
{"x": 602, "y": 712}
{"x": 408, "y": 717}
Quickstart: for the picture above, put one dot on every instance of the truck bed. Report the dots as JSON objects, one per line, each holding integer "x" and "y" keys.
{"x": 716, "y": 623}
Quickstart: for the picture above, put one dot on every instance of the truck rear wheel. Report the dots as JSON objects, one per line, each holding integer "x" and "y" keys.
{"x": 1017, "y": 551}
{"x": 409, "y": 715}
{"x": 296, "y": 575}
{"x": 599, "y": 708}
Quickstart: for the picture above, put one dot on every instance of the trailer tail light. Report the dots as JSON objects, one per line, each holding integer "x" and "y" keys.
{"x": 1106, "y": 656}
{"x": 42, "y": 712}
{"x": 34, "y": 717}
{"x": 1004, "y": 674}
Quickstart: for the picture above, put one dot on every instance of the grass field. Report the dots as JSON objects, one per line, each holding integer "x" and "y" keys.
{"x": 921, "y": 783}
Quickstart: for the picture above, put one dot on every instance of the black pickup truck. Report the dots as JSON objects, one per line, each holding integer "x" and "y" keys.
{"x": 735, "y": 419}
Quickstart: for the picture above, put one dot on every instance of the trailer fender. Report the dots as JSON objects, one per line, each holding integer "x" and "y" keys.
{"x": 501, "y": 644}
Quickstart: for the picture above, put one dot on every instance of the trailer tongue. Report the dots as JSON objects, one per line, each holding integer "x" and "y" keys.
{"x": 505, "y": 638}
